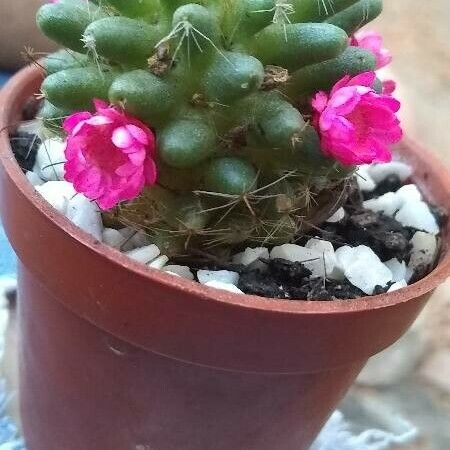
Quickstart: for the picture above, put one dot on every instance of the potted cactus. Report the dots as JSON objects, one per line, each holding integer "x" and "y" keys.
{"x": 225, "y": 133}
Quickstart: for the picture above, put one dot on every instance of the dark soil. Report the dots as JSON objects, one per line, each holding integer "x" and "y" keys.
{"x": 25, "y": 147}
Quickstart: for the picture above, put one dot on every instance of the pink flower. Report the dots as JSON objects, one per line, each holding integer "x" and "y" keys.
{"x": 389, "y": 87}
{"x": 373, "y": 42}
{"x": 110, "y": 155}
{"x": 355, "y": 124}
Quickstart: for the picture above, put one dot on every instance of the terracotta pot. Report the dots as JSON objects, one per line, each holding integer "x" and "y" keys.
{"x": 115, "y": 356}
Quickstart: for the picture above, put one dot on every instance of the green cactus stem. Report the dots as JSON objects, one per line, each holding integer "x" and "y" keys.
{"x": 221, "y": 82}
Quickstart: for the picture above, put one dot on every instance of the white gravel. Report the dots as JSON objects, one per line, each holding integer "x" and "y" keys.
{"x": 424, "y": 252}
{"x": 221, "y": 276}
{"x": 364, "y": 269}
{"x": 398, "y": 285}
{"x": 365, "y": 181}
{"x": 417, "y": 214}
{"x": 397, "y": 268}
{"x": 338, "y": 216}
{"x": 112, "y": 237}
{"x": 50, "y": 160}
{"x": 86, "y": 215}
{"x": 181, "y": 271}
{"x": 159, "y": 262}
{"x": 250, "y": 255}
{"x": 387, "y": 204}
{"x": 57, "y": 193}
{"x": 312, "y": 259}
{"x": 144, "y": 255}
{"x": 379, "y": 172}
{"x": 224, "y": 286}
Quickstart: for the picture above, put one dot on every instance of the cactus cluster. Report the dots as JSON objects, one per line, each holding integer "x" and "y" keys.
{"x": 225, "y": 86}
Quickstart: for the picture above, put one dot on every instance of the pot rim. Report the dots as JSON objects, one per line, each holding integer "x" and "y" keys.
{"x": 31, "y": 76}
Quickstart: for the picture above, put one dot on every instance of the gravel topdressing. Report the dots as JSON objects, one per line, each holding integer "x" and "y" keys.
{"x": 385, "y": 237}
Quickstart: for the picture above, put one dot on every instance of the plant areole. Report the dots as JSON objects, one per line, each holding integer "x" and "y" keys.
{"x": 224, "y": 86}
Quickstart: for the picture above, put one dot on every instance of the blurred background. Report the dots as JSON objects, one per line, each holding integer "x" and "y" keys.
{"x": 411, "y": 380}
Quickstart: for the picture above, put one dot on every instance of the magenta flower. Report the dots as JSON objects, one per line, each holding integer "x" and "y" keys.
{"x": 356, "y": 125}
{"x": 373, "y": 42}
{"x": 110, "y": 155}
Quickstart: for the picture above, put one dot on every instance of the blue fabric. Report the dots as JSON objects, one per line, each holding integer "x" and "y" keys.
{"x": 7, "y": 257}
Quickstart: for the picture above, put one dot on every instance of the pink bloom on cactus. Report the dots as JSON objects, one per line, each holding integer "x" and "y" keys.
{"x": 389, "y": 87}
{"x": 356, "y": 125}
{"x": 373, "y": 42}
{"x": 110, "y": 155}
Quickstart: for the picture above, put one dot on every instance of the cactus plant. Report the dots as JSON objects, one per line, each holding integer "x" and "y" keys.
{"x": 224, "y": 86}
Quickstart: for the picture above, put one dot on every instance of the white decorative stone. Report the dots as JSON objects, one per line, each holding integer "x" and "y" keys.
{"x": 379, "y": 172}
{"x": 145, "y": 254}
{"x": 338, "y": 216}
{"x": 364, "y": 179}
{"x": 140, "y": 239}
{"x": 409, "y": 192}
{"x": 172, "y": 273}
{"x": 181, "y": 271}
{"x": 128, "y": 244}
{"x": 417, "y": 214}
{"x": 159, "y": 262}
{"x": 250, "y": 255}
{"x": 398, "y": 285}
{"x": 344, "y": 255}
{"x": 387, "y": 204}
{"x": 224, "y": 286}
{"x": 34, "y": 178}
{"x": 57, "y": 193}
{"x": 112, "y": 237}
{"x": 327, "y": 250}
{"x": 86, "y": 215}
{"x": 50, "y": 160}
{"x": 311, "y": 259}
{"x": 424, "y": 252}
{"x": 366, "y": 271}
{"x": 397, "y": 268}
{"x": 221, "y": 276}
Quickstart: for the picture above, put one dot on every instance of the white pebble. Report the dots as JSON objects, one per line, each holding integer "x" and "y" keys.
{"x": 145, "y": 254}
{"x": 112, "y": 237}
{"x": 388, "y": 204}
{"x": 224, "y": 286}
{"x": 172, "y": 273}
{"x": 379, "y": 172}
{"x": 127, "y": 242}
{"x": 326, "y": 249}
{"x": 398, "y": 285}
{"x": 344, "y": 255}
{"x": 159, "y": 262}
{"x": 250, "y": 255}
{"x": 398, "y": 269}
{"x": 57, "y": 193}
{"x": 417, "y": 214}
{"x": 181, "y": 271}
{"x": 311, "y": 259}
{"x": 140, "y": 239}
{"x": 34, "y": 178}
{"x": 221, "y": 276}
{"x": 424, "y": 252}
{"x": 364, "y": 180}
{"x": 50, "y": 160}
{"x": 86, "y": 215}
{"x": 338, "y": 216}
{"x": 409, "y": 192}
{"x": 366, "y": 271}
